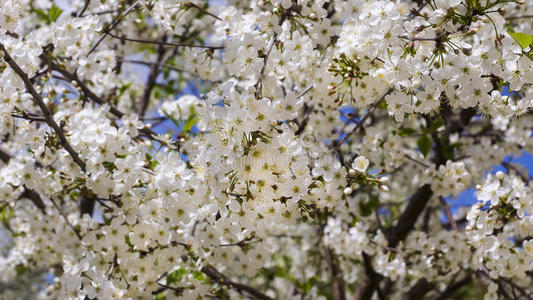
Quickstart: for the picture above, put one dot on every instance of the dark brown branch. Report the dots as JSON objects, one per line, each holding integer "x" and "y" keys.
{"x": 150, "y": 63}
{"x": 164, "y": 43}
{"x": 66, "y": 219}
{"x": 167, "y": 287}
{"x": 87, "y": 2}
{"x": 519, "y": 17}
{"x": 448, "y": 213}
{"x": 4, "y": 156}
{"x": 339, "y": 290}
{"x": 87, "y": 92}
{"x": 407, "y": 220}
{"x": 29, "y": 117}
{"x": 362, "y": 121}
{"x": 452, "y": 288}
{"x": 114, "y": 24}
{"x": 27, "y": 193}
{"x": 35, "y": 198}
{"x": 510, "y": 167}
{"x": 259, "y": 83}
{"x": 150, "y": 83}
{"x": 47, "y": 114}
{"x": 190, "y": 4}
{"x": 221, "y": 279}
{"x": 418, "y": 291}
{"x": 416, "y": 161}
{"x": 371, "y": 281}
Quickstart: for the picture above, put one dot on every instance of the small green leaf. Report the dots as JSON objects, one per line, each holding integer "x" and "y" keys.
{"x": 436, "y": 124}
{"x": 523, "y": 39}
{"x": 54, "y": 13}
{"x": 41, "y": 15}
{"x": 424, "y": 145}
{"x": 406, "y": 132}
{"x": 367, "y": 208}
{"x": 190, "y": 123}
{"x": 49, "y": 17}
{"x": 174, "y": 120}
{"x": 176, "y": 276}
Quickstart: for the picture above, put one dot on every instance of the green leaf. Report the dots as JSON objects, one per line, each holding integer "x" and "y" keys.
{"x": 54, "y": 13}
{"x": 49, "y": 17}
{"x": 190, "y": 123}
{"x": 193, "y": 119}
{"x": 172, "y": 119}
{"x": 41, "y": 15}
{"x": 436, "y": 124}
{"x": 367, "y": 208}
{"x": 523, "y": 39}
{"x": 20, "y": 269}
{"x": 406, "y": 132}
{"x": 199, "y": 276}
{"x": 110, "y": 166}
{"x": 176, "y": 276}
{"x": 424, "y": 145}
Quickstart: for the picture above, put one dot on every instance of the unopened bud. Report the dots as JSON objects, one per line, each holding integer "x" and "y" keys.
{"x": 348, "y": 190}
{"x": 384, "y": 179}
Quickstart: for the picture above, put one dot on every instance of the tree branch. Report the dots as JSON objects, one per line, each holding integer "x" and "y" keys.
{"x": 66, "y": 219}
{"x": 164, "y": 43}
{"x": 220, "y": 278}
{"x": 407, "y": 220}
{"x": 362, "y": 121}
{"x": 339, "y": 291}
{"x": 34, "y": 197}
{"x": 47, "y": 114}
{"x": 190, "y": 4}
{"x": 114, "y": 24}
{"x": 154, "y": 71}
{"x": 91, "y": 95}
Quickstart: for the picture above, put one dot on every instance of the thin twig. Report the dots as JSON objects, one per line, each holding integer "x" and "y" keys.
{"x": 66, "y": 219}
{"x": 87, "y": 2}
{"x": 339, "y": 291}
{"x": 87, "y": 92}
{"x": 47, "y": 114}
{"x": 150, "y": 83}
{"x": 220, "y": 278}
{"x": 150, "y": 63}
{"x": 416, "y": 161}
{"x": 449, "y": 214}
{"x": 164, "y": 43}
{"x": 519, "y": 17}
{"x": 190, "y": 4}
{"x": 259, "y": 83}
{"x": 307, "y": 89}
{"x": 116, "y": 21}
{"x": 362, "y": 121}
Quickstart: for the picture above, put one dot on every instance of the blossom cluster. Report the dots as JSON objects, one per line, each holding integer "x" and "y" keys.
{"x": 266, "y": 149}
